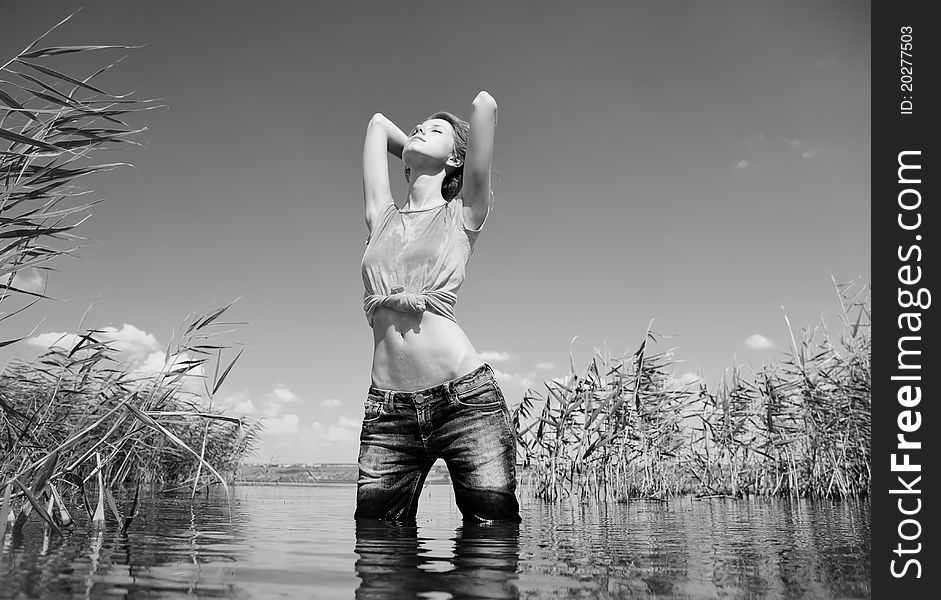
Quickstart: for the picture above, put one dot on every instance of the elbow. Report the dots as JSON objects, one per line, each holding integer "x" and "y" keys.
{"x": 376, "y": 119}
{"x": 485, "y": 100}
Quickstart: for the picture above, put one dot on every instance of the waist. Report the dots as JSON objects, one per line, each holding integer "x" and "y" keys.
{"x": 425, "y": 328}
{"x": 417, "y": 350}
{"x": 442, "y": 391}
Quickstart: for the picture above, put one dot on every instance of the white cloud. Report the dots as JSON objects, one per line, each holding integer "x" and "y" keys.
{"x": 340, "y": 434}
{"x": 137, "y": 347}
{"x": 492, "y": 356}
{"x": 798, "y": 146}
{"x": 28, "y": 280}
{"x": 131, "y": 341}
{"x": 286, "y": 425}
{"x": 791, "y": 143}
{"x": 158, "y": 361}
{"x": 193, "y": 381}
{"x": 331, "y": 402}
{"x": 346, "y": 430}
{"x": 138, "y": 350}
{"x": 272, "y": 404}
{"x": 758, "y": 342}
{"x": 546, "y": 366}
{"x": 65, "y": 341}
{"x": 239, "y": 403}
{"x": 274, "y": 401}
{"x": 153, "y": 363}
{"x": 348, "y": 422}
{"x": 501, "y": 376}
{"x": 316, "y": 442}
{"x": 282, "y": 394}
{"x": 244, "y": 408}
{"x": 687, "y": 378}
{"x": 145, "y": 358}
{"x": 524, "y": 380}
{"x": 777, "y": 145}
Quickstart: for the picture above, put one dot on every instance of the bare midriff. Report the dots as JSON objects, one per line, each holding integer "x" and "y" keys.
{"x": 414, "y": 351}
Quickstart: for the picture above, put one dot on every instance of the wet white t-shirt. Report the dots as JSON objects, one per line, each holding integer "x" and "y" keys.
{"x": 415, "y": 260}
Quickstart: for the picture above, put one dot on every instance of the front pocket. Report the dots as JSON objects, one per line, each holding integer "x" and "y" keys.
{"x": 372, "y": 411}
{"x": 486, "y": 395}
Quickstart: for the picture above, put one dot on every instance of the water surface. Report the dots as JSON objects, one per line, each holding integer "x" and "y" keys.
{"x": 302, "y": 542}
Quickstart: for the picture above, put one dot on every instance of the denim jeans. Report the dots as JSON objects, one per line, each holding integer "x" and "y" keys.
{"x": 464, "y": 421}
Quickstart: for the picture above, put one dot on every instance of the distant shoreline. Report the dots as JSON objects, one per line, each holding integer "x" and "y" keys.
{"x": 246, "y": 483}
{"x": 316, "y": 474}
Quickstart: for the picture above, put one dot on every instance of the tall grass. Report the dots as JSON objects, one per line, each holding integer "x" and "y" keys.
{"x": 76, "y": 418}
{"x": 53, "y": 124}
{"x": 625, "y": 428}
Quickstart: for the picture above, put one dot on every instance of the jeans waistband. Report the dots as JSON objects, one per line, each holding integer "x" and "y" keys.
{"x": 444, "y": 390}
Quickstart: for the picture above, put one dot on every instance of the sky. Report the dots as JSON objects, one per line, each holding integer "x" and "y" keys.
{"x": 702, "y": 164}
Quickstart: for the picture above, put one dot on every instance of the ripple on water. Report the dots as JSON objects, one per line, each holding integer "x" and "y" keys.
{"x": 302, "y": 542}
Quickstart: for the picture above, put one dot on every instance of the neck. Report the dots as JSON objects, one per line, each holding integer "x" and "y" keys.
{"x": 424, "y": 190}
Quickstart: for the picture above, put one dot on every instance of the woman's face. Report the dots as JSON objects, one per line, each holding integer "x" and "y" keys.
{"x": 432, "y": 140}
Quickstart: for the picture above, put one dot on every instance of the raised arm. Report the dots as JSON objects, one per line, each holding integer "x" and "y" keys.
{"x": 382, "y": 136}
{"x": 476, "y": 186}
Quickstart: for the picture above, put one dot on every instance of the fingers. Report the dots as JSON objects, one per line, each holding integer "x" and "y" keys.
{"x": 405, "y": 302}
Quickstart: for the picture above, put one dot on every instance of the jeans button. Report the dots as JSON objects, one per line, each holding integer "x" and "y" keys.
{"x": 419, "y": 398}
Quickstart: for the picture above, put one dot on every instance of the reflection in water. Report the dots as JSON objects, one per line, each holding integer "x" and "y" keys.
{"x": 687, "y": 548}
{"x": 302, "y": 542}
{"x": 161, "y": 555}
{"x": 394, "y": 561}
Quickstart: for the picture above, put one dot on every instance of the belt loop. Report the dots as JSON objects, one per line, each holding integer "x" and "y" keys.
{"x": 388, "y": 400}
{"x": 452, "y": 396}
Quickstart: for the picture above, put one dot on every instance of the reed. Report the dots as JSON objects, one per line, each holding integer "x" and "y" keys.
{"x": 624, "y": 428}
{"x": 77, "y": 419}
{"x": 53, "y": 125}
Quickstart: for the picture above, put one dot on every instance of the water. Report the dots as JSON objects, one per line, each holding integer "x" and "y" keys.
{"x": 301, "y": 542}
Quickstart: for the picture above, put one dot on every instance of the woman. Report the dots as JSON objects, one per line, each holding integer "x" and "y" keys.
{"x": 431, "y": 394}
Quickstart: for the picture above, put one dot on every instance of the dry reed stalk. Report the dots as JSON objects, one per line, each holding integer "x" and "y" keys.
{"x": 52, "y": 123}
{"x": 622, "y": 429}
{"x": 62, "y": 412}
{"x": 72, "y": 404}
